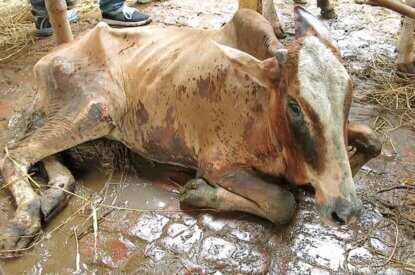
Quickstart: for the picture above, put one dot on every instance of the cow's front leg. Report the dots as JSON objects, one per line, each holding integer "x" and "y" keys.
{"x": 367, "y": 145}
{"x": 26, "y": 222}
{"x": 327, "y": 9}
{"x": 61, "y": 183}
{"x": 62, "y": 131}
{"x": 241, "y": 190}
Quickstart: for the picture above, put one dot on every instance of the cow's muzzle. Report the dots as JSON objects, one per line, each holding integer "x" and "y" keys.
{"x": 341, "y": 211}
{"x": 345, "y": 212}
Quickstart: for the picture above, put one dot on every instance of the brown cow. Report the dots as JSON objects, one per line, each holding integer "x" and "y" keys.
{"x": 201, "y": 99}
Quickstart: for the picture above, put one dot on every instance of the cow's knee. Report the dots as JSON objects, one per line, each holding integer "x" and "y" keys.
{"x": 281, "y": 209}
{"x": 99, "y": 111}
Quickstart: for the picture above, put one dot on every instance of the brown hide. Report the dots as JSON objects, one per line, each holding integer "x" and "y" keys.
{"x": 194, "y": 98}
{"x": 173, "y": 95}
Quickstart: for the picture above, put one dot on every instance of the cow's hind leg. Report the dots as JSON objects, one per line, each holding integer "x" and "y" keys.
{"x": 242, "y": 191}
{"x": 64, "y": 130}
{"x": 365, "y": 141}
{"x": 327, "y": 9}
{"x": 269, "y": 12}
{"x": 267, "y": 9}
{"x": 405, "y": 61}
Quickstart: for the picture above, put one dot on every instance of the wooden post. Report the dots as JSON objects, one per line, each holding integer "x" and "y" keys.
{"x": 397, "y": 6}
{"x": 58, "y": 17}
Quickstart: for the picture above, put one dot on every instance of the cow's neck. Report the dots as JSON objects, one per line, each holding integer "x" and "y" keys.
{"x": 269, "y": 147}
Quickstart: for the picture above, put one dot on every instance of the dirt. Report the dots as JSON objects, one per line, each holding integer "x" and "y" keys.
{"x": 156, "y": 236}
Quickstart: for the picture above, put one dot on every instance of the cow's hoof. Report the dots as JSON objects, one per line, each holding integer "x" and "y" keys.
{"x": 199, "y": 193}
{"x": 367, "y": 2}
{"x": 17, "y": 236}
{"x": 279, "y": 31}
{"x": 408, "y": 68}
{"x": 22, "y": 229}
{"x": 52, "y": 201}
{"x": 328, "y": 13}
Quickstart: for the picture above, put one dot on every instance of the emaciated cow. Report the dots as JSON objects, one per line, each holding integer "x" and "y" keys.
{"x": 229, "y": 103}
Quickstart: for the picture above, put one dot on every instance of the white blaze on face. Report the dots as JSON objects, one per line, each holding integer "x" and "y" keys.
{"x": 323, "y": 85}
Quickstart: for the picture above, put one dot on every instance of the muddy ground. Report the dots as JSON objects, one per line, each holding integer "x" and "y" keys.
{"x": 169, "y": 241}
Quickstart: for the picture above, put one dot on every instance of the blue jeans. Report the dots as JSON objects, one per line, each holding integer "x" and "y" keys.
{"x": 111, "y": 7}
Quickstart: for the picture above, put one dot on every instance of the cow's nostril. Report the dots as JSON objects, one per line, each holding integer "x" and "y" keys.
{"x": 337, "y": 218}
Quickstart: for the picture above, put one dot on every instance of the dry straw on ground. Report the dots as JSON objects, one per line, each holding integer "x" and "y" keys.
{"x": 17, "y": 29}
{"x": 392, "y": 90}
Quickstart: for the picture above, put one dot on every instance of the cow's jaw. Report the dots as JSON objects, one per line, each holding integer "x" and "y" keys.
{"x": 325, "y": 87}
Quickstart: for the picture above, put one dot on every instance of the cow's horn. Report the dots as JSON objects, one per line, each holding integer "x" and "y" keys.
{"x": 281, "y": 55}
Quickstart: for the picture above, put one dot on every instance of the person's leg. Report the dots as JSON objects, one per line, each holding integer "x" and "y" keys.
{"x": 38, "y": 7}
{"x": 111, "y": 6}
{"x": 117, "y": 13}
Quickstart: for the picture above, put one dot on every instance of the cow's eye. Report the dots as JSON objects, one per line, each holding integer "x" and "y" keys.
{"x": 293, "y": 105}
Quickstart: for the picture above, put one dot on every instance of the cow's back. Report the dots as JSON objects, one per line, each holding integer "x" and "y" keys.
{"x": 174, "y": 94}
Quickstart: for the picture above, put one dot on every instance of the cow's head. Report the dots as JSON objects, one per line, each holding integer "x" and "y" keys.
{"x": 310, "y": 97}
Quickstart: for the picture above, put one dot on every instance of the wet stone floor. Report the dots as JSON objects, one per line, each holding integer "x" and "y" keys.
{"x": 140, "y": 227}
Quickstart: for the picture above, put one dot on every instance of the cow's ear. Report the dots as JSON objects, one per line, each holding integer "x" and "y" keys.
{"x": 264, "y": 72}
{"x": 306, "y": 24}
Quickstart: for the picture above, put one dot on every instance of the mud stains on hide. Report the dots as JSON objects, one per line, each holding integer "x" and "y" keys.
{"x": 141, "y": 114}
{"x": 205, "y": 87}
{"x": 170, "y": 116}
{"x": 221, "y": 76}
{"x": 181, "y": 90}
{"x": 211, "y": 87}
{"x": 259, "y": 147}
{"x": 257, "y": 108}
{"x": 168, "y": 141}
{"x": 96, "y": 111}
